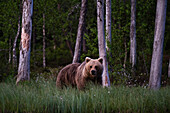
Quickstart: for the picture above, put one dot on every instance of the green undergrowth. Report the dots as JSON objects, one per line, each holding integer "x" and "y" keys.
{"x": 43, "y": 96}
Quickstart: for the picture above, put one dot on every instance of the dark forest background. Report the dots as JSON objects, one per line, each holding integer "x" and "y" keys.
{"x": 61, "y": 23}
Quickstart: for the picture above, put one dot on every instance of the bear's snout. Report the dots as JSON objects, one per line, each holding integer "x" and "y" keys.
{"x": 93, "y": 72}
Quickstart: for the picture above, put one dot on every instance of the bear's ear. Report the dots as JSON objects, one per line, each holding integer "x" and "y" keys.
{"x": 100, "y": 60}
{"x": 87, "y": 59}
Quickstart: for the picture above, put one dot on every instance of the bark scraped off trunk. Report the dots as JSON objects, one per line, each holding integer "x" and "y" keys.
{"x": 80, "y": 32}
{"x": 25, "y": 44}
{"x": 101, "y": 42}
{"x": 156, "y": 63}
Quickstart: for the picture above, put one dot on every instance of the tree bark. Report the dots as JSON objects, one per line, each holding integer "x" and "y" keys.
{"x": 25, "y": 44}
{"x": 44, "y": 61}
{"x": 108, "y": 25}
{"x": 101, "y": 42}
{"x": 133, "y": 34}
{"x": 156, "y": 63}
{"x": 80, "y": 32}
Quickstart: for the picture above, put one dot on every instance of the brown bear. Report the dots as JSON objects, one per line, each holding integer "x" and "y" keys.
{"x": 77, "y": 74}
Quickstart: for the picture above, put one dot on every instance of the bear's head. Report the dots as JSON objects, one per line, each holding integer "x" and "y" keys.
{"x": 93, "y": 67}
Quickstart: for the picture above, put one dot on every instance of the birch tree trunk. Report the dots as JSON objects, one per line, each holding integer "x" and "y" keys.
{"x": 44, "y": 62}
{"x": 133, "y": 34}
{"x": 14, "y": 57}
{"x": 108, "y": 24}
{"x": 156, "y": 63}
{"x": 101, "y": 42}
{"x": 25, "y": 44}
{"x": 80, "y": 32}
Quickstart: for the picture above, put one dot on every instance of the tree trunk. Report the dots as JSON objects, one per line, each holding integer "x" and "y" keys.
{"x": 101, "y": 41}
{"x": 14, "y": 57}
{"x": 169, "y": 69}
{"x": 156, "y": 63}
{"x": 80, "y": 32}
{"x": 9, "y": 60}
{"x": 125, "y": 41}
{"x": 108, "y": 24}
{"x": 70, "y": 48}
{"x": 44, "y": 62}
{"x": 33, "y": 45}
{"x": 25, "y": 44}
{"x": 133, "y": 34}
{"x": 125, "y": 59}
{"x": 14, "y": 45}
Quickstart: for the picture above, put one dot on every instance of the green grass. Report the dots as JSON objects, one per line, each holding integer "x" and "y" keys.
{"x": 43, "y": 96}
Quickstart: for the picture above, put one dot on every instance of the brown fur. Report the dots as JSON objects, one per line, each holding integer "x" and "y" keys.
{"x": 77, "y": 74}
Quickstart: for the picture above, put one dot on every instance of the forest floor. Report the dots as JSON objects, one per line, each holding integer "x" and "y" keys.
{"x": 41, "y": 95}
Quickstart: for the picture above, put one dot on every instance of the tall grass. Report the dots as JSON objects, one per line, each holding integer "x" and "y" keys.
{"x": 43, "y": 96}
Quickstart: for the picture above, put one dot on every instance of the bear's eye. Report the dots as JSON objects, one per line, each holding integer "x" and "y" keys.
{"x": 90, "y": 66}
{"x": 96, "y": 67}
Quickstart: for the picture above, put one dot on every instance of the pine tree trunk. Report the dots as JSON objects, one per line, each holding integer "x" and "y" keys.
{"x": 133, "y": 34}
{"x": 108, "y": 24}
{"x": 101, "y": 41}
{"x": 80, "y": 32}
{"x": 156, "y": 63}
{"x": 44, "y": 62}
{"x": 25, "y": 44}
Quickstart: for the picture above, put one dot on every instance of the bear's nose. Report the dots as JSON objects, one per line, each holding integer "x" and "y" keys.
{"x": 93, "y": 72}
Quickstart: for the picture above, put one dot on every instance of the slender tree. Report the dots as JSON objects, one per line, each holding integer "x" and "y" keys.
{"x": 25, "y": 44}
{"x": 169, "y": 69}
{"x": 101, "y": 41}
{"x": 125, "y": 39}
{"x": 44, "y": 62}
{"x": 108, "y": 24}
{"x": 156, "y": 64}
{"x": 133, "y": 34}
{"x": 14, "y": 56}
{"x": 9, "y": 60}
{"x": 34, "y": 44}
{"x": 80, "y": 31}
